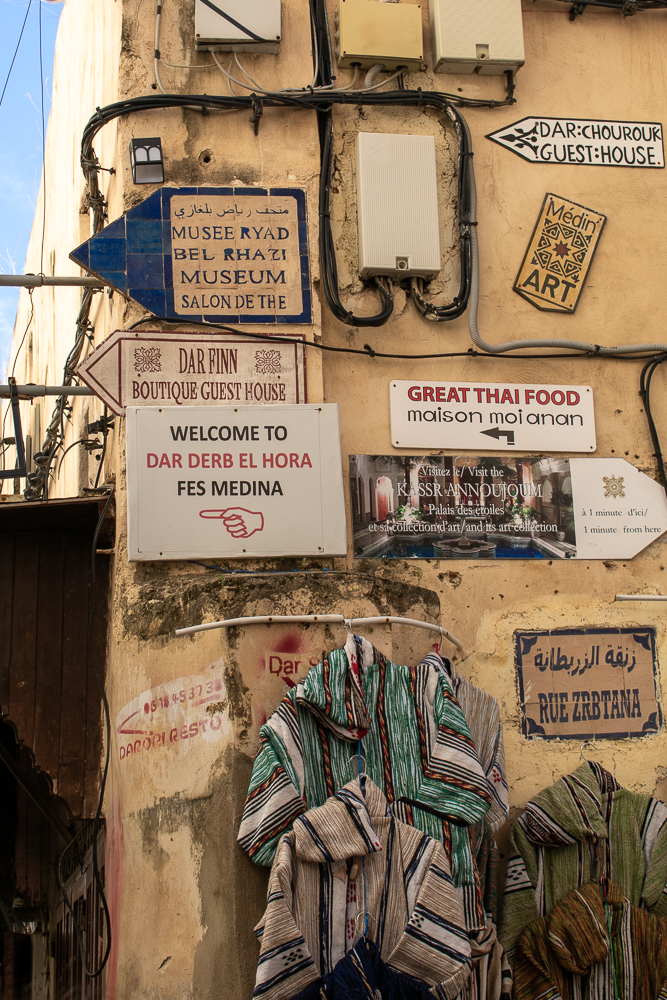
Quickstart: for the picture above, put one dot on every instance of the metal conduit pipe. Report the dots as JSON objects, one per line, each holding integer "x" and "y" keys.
{"x": 31, "y": 391}
{"x": 38, "y": 280}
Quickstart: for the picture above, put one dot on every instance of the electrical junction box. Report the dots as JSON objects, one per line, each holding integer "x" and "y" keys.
{"x": 483, "y": 36}
{"x": 369, "y": 32}
{"x": 238, "y": 25}
{"x": 397, "y": 205}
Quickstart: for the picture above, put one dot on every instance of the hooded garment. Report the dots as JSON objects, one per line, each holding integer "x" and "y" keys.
{"x": 583, "y": 827}
{"x": 398, "y": 876}
{"x": 482, "y": 714}
{"x": 567, "y": 955}
{"x": 415, "y": 742}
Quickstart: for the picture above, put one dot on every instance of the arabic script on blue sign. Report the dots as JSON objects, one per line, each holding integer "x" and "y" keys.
{"x": 219, "y": 255}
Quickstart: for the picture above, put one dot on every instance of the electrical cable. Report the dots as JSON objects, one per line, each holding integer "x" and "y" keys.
{"x": 329, "y": 268}
{"x": 239, "y": 83}
{"x": 18, "y": 351}
{"x": 38, "y": 480}
{"x": 466, "y": 213}
{"x": 311, "y": 100}
{"x": 156, "y": 54}
{"x": 16, "y": 52}
{"x": 105, "y": 433}
{"x": 453, "y": 309}
{"x": 372, "y": 73}
{"x": 107, "y": 731}
{"x": 645, "y": 393}
{"x": 190, "y": 66}
{"x": 625, "y": 7}
{"x": 369, "y": 352}
{"x": 62, "y": 457}
{"x": 322, "y": 51}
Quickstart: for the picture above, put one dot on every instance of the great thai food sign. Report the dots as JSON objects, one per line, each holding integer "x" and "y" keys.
{"x": 492, "y": 415}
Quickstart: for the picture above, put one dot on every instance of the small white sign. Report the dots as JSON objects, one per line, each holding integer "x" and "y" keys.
{"x": 494, "y": 416}
{"x": 234, "y": 482}
{"x": 584, "y": 142}
{"x": 618, "y": 510}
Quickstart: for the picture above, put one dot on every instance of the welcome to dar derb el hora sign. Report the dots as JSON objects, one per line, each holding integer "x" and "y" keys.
{"x": 217, "y": 255}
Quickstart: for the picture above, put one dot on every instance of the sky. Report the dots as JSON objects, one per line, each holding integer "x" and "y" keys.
{"x": 21, "y": 139}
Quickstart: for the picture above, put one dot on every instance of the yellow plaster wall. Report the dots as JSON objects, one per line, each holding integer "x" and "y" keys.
{"x": 184, "y": 897}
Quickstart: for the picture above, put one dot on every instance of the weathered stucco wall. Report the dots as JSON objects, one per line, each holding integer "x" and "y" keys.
{"x": 184, "y": 896}
{"x": 85, "y": 76}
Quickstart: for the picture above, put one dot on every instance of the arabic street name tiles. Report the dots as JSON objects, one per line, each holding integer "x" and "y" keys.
{"x": 589, "y": 683}
{"x": 559, "y": 254}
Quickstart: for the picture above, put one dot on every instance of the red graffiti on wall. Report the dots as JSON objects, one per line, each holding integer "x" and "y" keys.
{"x": 289, "y": 657}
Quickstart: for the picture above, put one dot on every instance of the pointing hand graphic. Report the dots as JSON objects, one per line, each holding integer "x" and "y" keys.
{"x": 239, "y": 522}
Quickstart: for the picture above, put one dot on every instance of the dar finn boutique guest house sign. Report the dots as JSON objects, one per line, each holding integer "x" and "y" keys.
{"x": 224, "y": 255}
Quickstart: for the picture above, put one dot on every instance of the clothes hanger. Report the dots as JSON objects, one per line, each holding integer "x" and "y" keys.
{"x": 350, "y": 623}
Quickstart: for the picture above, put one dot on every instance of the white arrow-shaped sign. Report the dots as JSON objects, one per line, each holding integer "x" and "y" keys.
{"x": 618, "y": 510}
{"x": 584, "y": 142}
{"x": 141, "y": 368}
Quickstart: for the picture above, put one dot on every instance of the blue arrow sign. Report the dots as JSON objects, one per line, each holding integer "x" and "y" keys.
{"x": 217, "y": 255}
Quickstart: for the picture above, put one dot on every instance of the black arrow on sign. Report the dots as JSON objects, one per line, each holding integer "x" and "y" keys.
{"x": 496, "y": 432}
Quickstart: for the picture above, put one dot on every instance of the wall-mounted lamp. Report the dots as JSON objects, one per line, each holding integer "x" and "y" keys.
{"x": 146, "y": 160}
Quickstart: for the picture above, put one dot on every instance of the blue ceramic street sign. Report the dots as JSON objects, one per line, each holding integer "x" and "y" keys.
{"x": 217, "y": 255}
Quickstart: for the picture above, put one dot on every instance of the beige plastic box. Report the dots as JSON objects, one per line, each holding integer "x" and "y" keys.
{"x": 483, "y": 36}
{"x": 237, "y": 25}
{"x": 397, "y": 205}
{"x": 370, "y": 32}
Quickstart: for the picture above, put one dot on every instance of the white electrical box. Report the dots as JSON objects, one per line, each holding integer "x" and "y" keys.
{"x": 483, "y": 36}
{"x": 238, "y": 25}
{"x": 397, "y": 205}
{"x": 369, "y": 32}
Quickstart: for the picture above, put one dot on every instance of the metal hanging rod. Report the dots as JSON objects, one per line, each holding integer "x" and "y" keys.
{"x": 640, "y": 597}
{"x": 326, "y": 619}
{"x": 38, "y": 280}
{"x": 46, "y": 390}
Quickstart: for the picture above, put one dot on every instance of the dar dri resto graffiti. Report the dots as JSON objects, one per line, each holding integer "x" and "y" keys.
{"x": 461, "y": 507}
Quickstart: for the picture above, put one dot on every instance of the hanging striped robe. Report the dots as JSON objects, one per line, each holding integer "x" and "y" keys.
{"x": 401, "y": 881}
{"x": 585, "y": 823}
{"x": 587, "y": 949}
{"x": 415, "y": 742}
